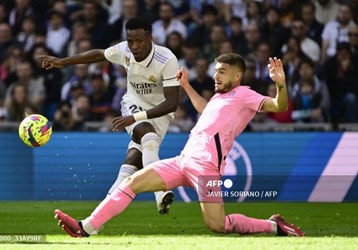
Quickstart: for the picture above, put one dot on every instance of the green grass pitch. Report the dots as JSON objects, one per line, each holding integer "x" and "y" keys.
{"x": 327, "y": 225}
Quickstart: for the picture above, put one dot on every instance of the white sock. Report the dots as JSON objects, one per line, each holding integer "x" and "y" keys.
{"x": 150, "y": 148}
{"x": 150, "y": 153}
{"x": 88, "y": 227}
{"x": 274, "y": 227}
{"x": 125, "y": 171}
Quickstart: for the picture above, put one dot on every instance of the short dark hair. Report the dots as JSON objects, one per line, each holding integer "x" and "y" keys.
{"x": 307, "y": 61}
{"x": 236, "y": 19}
{"x": 168, "y": 4}
{"x": 309, "y": 4}
{"x": 136, "y": 23}
{"x": 209, "y": 9}
{"x": 232, "y": 59}
{"x": 93, "y": 2}
{"x": 343, "y": 46}
{"x": 299, "y": 19}
{"x": 53, "y": 12}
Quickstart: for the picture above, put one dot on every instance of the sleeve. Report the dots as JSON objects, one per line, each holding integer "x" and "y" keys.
{"x": 169, "y": 73}
{"x": 116, "y": 53}
{"x": 326, "y": 31}
{"x": 253, "y": 100}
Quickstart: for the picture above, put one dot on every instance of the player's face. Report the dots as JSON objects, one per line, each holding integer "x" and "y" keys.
{"x": 226, "y": 77}
{"x": 140, "y": 43}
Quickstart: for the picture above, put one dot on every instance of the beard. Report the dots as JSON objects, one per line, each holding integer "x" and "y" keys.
{"x": 226, "y": 88}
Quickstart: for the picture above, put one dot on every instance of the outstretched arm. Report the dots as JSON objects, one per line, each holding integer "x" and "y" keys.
{"x": 277, "y": 74}
{"x": 91, "y": 56}
{"x": 198, "y": 102}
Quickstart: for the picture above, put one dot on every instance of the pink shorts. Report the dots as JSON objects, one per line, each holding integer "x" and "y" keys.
{"x": 186, "y": 171}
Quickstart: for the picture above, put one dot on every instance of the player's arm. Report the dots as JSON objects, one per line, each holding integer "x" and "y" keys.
{"x": 277, "y": 74}
{"x": 169, "y": 105}
{"x": 91, "y": 56}
{"x": 198, "y": 102}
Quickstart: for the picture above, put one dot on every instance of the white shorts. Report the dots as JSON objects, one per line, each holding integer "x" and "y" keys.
{"x": 160, "y": 124}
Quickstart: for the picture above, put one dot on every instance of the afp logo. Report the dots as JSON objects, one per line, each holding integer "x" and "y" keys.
{"x": 218, "y": 183}
{"x": 237, "y": 163}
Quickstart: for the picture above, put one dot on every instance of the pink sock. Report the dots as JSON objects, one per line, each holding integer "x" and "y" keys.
{"x": 111, "y": 206}
{"x": 238, "y": 223}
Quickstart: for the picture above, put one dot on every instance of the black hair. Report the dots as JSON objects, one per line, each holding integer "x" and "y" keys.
{"x": 343, "y": 46}
{"x": 236, "y": 19}
{"x": 95, "y": 3}
{"x": 309, "y": 4}
{"x": 136, "y": 23}
{"x": 232, "y": 59}
{"x": 53, "y": 12}
{"x": 168, "y": 4}
{"x": 307, "y": 61}
{"x": 209, "y": 9}
{"x": 299, "y": 19}
{"x": 273, "y": 8}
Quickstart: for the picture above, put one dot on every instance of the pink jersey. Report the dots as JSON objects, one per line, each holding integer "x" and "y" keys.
{"x": 223, "y": 119}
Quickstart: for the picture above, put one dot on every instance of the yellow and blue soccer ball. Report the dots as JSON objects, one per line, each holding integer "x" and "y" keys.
{"x": 35, "y": 130}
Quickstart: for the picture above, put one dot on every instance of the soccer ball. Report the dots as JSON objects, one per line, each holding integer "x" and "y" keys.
{"x": 35, "y": 130}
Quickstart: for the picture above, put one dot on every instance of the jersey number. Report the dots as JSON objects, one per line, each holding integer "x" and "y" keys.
{"x": 135, "y": 109}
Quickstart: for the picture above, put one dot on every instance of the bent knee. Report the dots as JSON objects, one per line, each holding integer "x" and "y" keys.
{"x": 140, "y": 130}
{"x": 138, "y": 182}
{"x": 128, "y": 181}
{"x": 132, "y": 183}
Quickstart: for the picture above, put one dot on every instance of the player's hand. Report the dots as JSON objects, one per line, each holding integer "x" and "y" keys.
{"x": 277, "y": 73}
{"x": 50, "y": 62}
{"x": 183, "y": 76}
{"x": 120, "y": 122}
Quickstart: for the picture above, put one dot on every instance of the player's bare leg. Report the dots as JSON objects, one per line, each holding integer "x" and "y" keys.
{"x": 146, "y": 180}
{"x": 149, "y": 140}
{"x": 214, "y": 216}
{"x": 216, "y": 220}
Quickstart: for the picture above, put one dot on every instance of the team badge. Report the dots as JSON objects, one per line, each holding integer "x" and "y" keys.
{"x": 152, "y": 79}
{"x": 127, "y": 61}
{"x": 232, "y": 93}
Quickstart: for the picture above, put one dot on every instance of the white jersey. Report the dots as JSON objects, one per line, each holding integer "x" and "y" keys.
{"x": 145, "y": 79}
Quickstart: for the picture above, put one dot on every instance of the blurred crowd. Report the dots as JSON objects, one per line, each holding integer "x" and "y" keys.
{"x": 316, "y": 40}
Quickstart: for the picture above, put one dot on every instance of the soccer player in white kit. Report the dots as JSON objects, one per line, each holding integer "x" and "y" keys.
{"x": 222, "y": 119}
{"x": 151, "y": 98}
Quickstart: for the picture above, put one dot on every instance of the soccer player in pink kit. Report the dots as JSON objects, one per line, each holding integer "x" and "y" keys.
{"x": 222, "y": 119}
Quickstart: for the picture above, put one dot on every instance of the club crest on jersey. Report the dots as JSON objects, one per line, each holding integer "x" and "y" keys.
{"x": 152, "y": 79}
{"x": 232, "y": 93}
